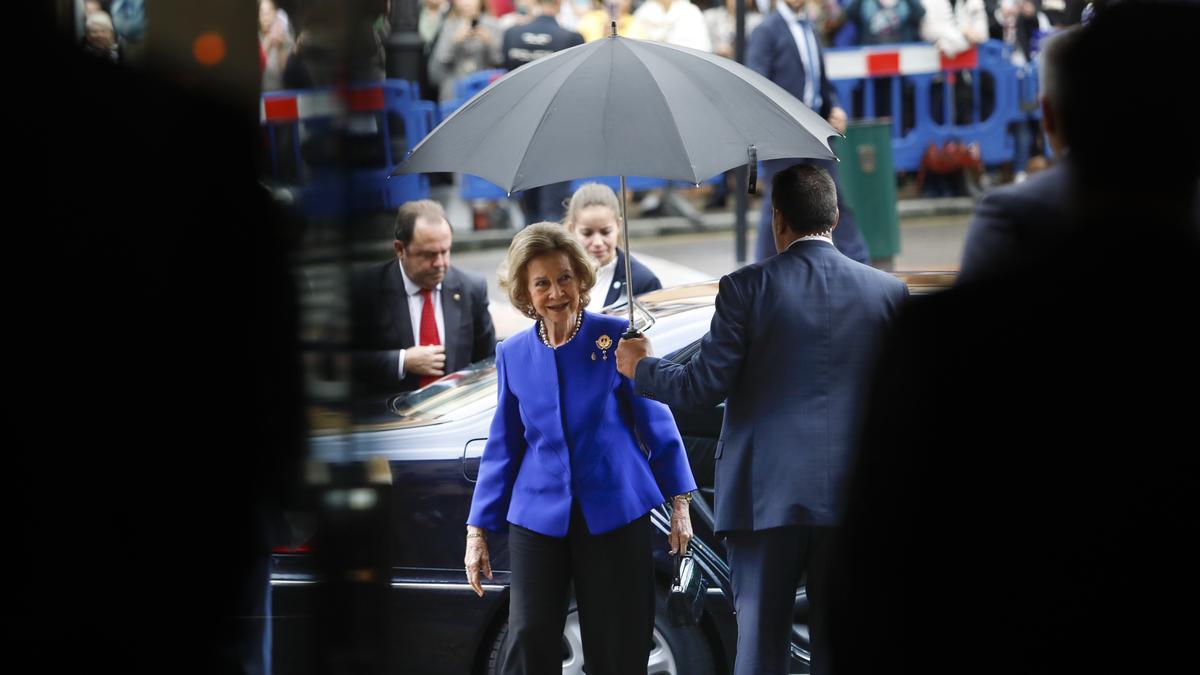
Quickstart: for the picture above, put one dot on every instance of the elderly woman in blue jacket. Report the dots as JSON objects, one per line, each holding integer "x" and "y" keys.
{"x": 574, "y": 463}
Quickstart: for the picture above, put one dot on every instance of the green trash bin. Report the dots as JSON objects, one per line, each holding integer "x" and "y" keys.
{"x": 868, "y": 182}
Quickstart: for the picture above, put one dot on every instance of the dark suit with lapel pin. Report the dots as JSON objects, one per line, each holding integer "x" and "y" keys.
{"x": 381, "y": 326}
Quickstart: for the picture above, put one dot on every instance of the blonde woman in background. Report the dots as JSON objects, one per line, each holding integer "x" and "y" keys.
{"x": 592, "y": 217}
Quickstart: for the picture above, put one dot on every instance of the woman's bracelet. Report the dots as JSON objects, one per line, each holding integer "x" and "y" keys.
{"x": 686, "y": 495}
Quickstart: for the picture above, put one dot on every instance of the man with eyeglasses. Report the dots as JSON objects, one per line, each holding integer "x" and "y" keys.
{"x": 416, "y": 318}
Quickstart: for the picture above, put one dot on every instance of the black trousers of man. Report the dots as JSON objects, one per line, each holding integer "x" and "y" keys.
{"x": 614, "y": 589}
{"x": 767, "y": 566}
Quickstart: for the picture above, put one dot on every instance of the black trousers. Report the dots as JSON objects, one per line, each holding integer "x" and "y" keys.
{"x": 767, "y": 566}
{"x": 614, "y": 589}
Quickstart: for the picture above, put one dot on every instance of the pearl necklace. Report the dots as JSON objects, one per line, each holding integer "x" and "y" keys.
{"x": 546, "y": 340}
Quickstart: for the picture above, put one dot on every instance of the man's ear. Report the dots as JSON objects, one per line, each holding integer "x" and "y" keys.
{"x": 1049, "y": 121}
{"x": 398, "y": 247}
{"x": 778, "y": 225}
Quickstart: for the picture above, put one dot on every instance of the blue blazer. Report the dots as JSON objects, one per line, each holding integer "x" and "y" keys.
{"x": 790, "y": 348}
{"x": 567, "y": 428}
{"x": 772, "y": 53}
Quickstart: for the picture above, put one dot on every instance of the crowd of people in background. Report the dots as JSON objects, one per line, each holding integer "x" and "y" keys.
{"x": 113, "y": 30}
{"x": 302, "y": 45}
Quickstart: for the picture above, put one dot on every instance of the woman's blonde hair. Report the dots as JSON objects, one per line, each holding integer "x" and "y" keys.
{"x": 591, "y": 194}
{"x": 538, "y": 240}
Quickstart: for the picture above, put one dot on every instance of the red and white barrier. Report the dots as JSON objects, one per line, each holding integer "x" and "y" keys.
{"x": 891, "y": 60}
{"x": 307, "y": 105}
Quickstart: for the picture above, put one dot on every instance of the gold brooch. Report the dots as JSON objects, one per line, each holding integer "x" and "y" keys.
{"x": 604, "y": 342}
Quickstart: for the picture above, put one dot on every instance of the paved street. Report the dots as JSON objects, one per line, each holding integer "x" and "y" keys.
{"x": 928, "y": 243}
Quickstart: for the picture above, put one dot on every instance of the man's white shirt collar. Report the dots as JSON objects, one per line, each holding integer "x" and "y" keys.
{"x": 411, "y": 288}
{"x": 808, "y": 54}
{"x": 812, "y": 237}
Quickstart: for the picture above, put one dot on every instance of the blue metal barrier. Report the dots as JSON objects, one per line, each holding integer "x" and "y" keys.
{"x": 357, "y": 121}
{"x": 913, "y": 72}
{"x": 467, "y": 86}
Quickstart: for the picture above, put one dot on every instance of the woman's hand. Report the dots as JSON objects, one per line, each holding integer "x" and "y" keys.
{"x": 681, "y": 525}
{"x": 477, "y": 560}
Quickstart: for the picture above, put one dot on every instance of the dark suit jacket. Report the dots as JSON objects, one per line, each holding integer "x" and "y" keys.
{"x": 789, "y": 349}
{"x": 540, "y": 37}
{"x": 772, "y": 53}
{"x": 1016, "y": 223}
{"x": 381, "y": 325}
{"x": 644, "y": 280}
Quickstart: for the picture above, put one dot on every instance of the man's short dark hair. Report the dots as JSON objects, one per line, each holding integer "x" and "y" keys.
{"x": 807, "y": 198}
{"x": 406, "y": 218}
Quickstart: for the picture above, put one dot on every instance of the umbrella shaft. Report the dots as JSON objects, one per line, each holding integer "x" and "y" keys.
{"x": 628, "y": 258}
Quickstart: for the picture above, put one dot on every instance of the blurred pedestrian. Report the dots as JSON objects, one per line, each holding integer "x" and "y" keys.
{"x": 416, "y": 317}
{"x": 675, "y": 22}
{"x": 523, "y": 44}
{"x": 100, "y": 40}
{"x": 276, "y": 43}
{"x": 786, "y": 50}
{"x": 593, "y": 217}
{"x": 470, "y": 41}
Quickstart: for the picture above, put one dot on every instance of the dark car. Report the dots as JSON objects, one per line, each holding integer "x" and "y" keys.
{"x": 432, "y": 440}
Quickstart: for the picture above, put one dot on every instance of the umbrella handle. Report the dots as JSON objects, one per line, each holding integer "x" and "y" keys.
{"x": 753, "y": 167}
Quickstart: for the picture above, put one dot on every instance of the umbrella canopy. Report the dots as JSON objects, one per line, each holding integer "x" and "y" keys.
{"x": 621, "y": 107}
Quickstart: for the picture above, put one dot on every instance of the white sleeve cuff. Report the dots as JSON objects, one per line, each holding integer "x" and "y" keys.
{"x": 400, "y": 364}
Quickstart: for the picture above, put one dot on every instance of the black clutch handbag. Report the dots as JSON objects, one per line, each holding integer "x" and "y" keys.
{"x": 686, "y": 601}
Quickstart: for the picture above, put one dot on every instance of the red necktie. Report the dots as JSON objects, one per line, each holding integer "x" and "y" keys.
{"x": 429, "y": 331}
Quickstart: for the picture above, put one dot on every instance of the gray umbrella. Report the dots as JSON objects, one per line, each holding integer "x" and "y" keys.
{"x": 621, "y": 107}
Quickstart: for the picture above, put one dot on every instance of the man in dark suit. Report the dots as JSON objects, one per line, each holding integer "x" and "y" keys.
{"x": 785, "y": 49}
{"x": 1016, "y": 223}
{"x": 789, "y": 349}
{"x": 417, "y": 318}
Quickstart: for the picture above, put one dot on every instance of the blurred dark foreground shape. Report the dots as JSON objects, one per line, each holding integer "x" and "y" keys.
{"x": 159, "y": 386}
{"x": 1025, "y": 496}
